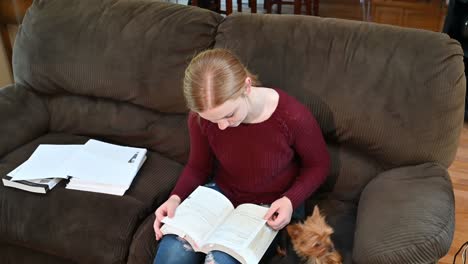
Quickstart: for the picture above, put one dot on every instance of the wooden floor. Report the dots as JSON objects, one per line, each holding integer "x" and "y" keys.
{"x": 459, "y": 175}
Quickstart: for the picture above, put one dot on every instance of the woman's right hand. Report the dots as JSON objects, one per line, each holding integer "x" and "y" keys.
{"x": 166, "y": 209}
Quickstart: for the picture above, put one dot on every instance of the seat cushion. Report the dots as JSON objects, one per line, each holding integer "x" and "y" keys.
{"x": 10, "y": 254}
{"x": 84, "y": 227}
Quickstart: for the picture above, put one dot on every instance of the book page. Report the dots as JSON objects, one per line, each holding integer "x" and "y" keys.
{"x": 199, "y": 214}
{"x": 244, "y": 226}
{"x": 260, "y": 243}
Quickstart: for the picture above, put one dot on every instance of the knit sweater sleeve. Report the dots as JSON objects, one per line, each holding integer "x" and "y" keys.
{"x": 309, "y": 144}
{"x": 200, "y": 162}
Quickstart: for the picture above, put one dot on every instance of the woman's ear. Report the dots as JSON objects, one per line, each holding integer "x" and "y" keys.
{"x": 248, "y": 87}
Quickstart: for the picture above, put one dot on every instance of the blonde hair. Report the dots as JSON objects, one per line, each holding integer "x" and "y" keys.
{"x": 213, "y": 77}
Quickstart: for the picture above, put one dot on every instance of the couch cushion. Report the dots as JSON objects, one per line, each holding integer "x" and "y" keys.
{"x": 124, "y": 123}
{"x": 10, "y": 254}
{"x": 406, "y": 215}
{"x": 133, "y": 51}
{"x": 74, "y": 224}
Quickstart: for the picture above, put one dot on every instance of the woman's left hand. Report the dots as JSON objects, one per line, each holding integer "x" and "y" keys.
{"x": 279, "y": 214}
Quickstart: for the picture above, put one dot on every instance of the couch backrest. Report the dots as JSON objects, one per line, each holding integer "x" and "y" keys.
{"x": 384, "y": 96}
{"x": 392, "y": 94}
{"x": 114, "y": 68}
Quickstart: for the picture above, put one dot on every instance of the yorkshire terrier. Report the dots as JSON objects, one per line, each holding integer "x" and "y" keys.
{"x": 311, "y": 240}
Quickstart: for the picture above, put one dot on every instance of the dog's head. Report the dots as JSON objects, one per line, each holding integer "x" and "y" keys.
{"x": 312, "y": 238}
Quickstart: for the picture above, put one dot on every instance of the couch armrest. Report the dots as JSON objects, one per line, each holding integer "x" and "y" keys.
{"x": 23, "y": 117}
{"x": 405, "y": 215}
{"x": 144, "y": 244}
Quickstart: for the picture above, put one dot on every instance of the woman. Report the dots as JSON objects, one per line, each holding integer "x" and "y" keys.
{"x": 269, "y": 148}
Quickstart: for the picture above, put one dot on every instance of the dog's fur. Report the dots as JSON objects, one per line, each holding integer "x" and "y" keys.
{"x": 311, "y": 240}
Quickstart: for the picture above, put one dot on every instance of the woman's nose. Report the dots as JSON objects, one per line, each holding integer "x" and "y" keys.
{"x": 223, "y": 124}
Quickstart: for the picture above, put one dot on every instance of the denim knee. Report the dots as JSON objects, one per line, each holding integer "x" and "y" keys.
{"x": 175, "y": 250}
{"x": 218, "y": 257}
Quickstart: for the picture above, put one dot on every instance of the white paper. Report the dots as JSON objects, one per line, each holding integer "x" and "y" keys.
{"x": 47, "y": 161}
{"x": 106, "y": 163}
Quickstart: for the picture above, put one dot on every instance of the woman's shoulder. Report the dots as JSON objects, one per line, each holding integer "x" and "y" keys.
{"x": 290, "y": 105}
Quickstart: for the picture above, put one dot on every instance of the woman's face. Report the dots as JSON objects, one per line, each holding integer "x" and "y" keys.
{"x": 230, "y": 114}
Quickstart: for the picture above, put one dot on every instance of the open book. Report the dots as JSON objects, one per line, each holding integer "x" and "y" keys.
{"x": 209, "y": 221}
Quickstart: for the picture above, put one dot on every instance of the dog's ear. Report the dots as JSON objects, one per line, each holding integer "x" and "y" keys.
{"x": 294, "y": 230}
{"x": 316, "y": 214}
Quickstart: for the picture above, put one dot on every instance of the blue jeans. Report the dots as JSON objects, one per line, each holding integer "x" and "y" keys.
{"x": 174, "y": 250}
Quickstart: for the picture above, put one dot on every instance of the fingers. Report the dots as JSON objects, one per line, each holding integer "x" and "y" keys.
{"x": 278, "y": 223}
{"x": 278, "y": 217}
{"x": 157, "y": 230}
{"x": 170, "y": 211}
{"x": 157, "y": 223}
{"x": 275, "y": 219}
{"x": 273, "y": 209}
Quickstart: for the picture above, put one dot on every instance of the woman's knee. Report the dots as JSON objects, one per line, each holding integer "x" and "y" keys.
{"x": 218, "y": 257}
{"x": 173, "y": 249}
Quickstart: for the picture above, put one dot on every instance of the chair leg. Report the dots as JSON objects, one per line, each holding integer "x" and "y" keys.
{"x": 316, "y": 7}
{"x": 279, "y": 6}
{"x": 297, "y": 7}
{"x": 239, "y": 5}
{"x": 228, "y": 7}
{"x": 268, "y": 4}
{"x": 253, "y": 6}
{"x": 308, "y": 4}
{"x": 368, "y": 16}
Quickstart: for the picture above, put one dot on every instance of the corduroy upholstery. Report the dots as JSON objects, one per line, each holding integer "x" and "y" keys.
{"x": 389, "y": 100}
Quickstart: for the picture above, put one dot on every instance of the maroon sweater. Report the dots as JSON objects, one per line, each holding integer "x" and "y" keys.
{"x": 284, "y": 155}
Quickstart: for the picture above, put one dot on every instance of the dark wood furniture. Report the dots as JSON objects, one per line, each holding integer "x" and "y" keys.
{"x": 423, "y": 14}
{"x": 228, "y": 10}
{"x": 310, "y": 4}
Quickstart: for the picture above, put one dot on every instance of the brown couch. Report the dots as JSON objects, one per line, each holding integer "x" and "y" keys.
{"x": 389, "y": 100}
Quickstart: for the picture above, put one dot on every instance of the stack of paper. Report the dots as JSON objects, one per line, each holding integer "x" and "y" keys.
{"x": 43, "y": 170}
{"x": 104, "y": 167}
{"x": 95, "y": 166}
